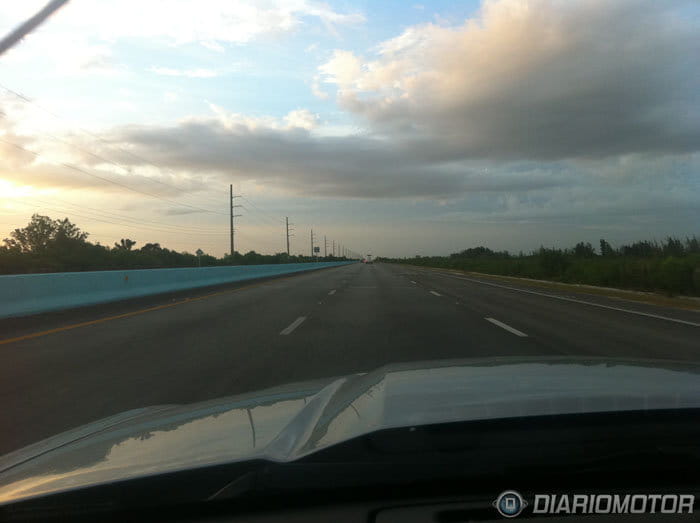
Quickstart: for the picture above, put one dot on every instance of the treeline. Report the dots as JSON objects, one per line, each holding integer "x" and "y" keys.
{"x": 47, "y": 245}
{"x": 671, "y": 266}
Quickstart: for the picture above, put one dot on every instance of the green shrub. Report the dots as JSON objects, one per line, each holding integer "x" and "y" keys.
{"x": 644, "y": 268}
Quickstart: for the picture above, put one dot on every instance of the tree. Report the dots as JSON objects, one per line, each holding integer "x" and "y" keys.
{"x": 42, "y": 232}
{"x": 584, "y": 250}
{"x": 473, "y": 252}
{"x": 552, "y": 261}
{"x": 151, "y": 247}
{"x": 644, "y": 249}
{"x": 606, "y": 249}
{"x": 124, "y": 244}
{"x": 67, "y": 231}
{"x": 673, "y": 247}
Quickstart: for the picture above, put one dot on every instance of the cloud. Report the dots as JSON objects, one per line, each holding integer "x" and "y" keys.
{"x": 83, "y": 37}
{"x": 536, "y": 79}
{"x": 213, "y": 46}
{"x": 69, "y": 54}
{"x": 170, "y": 97}
{"x": 302, "y": 119}
{"x": 209, "y": 23}
{"x": 188, "y": 73}
{"x": 76, "y": 161}
{"x": 284, "y": 152}
{"x": 78, "y": 58}
{"x": 316, "y": 88}
{"x": 343, "y": 69}
{"x": 536, "y": 111}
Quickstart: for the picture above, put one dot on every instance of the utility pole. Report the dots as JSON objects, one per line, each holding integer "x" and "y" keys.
{"x": 334, "y": 248}
{"x": 230, "y": 205}
{"x": 325, "y": 247}
{"x": 312, "y": 243}
{"x": 286, "y": 220}
{"x": 232, "y": 216}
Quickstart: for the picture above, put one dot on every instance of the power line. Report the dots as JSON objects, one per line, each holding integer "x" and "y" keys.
{"x": 252, "y": 206}
{"x": 111, "y": 215}
{"x": 83, "y": 171}
{"x": 250, "y": 239}
{"x": 47, "y": 205}
{"x": 116, "y": 164}
{"x": 102, "y": 140}
{"x": 269, "y": 222}
{"x": 263, "y": 212}
{"x": 144, "y": 229}
{"x": 203, "y": 230}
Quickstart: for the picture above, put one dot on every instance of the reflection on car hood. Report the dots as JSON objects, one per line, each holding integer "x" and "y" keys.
{"x": 289, "y": 422}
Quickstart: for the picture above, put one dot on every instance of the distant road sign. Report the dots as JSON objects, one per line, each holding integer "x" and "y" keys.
{"x": 317, "y": 249}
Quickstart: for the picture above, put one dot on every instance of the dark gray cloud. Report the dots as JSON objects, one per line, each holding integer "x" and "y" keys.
{"x": 565, "y": 104}
{"x": 301, "y": 162}
{"x": 540, "y": 80}
{"x": 450, "y": 110}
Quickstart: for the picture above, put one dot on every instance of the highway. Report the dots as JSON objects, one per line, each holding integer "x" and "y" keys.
{"x": 63, "y": 369}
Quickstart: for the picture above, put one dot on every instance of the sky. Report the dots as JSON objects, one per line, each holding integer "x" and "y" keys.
{"x": 392, "y": 128}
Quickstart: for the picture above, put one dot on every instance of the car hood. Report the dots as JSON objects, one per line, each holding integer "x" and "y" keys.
{"x": 287, "y": 423}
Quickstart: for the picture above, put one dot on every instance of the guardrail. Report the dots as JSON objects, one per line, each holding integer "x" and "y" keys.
{"x": 23, "y": 294}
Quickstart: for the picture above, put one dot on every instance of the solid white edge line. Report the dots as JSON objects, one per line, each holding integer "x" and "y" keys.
{"x": 435, "y": 293}
{"x": 506, "y": 327}
{"x": 293, "y": 326}
{"x": 331, "y": 293}
{"x": 629, "y": 311}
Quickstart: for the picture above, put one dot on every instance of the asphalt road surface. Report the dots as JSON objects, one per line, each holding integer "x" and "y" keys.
{"x": 57, "y": 374}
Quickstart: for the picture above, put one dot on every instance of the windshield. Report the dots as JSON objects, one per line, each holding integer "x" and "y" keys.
{"x": 203, "y": 200}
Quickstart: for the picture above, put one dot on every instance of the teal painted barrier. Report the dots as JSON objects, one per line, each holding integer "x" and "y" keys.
{"x": 23, "y": 294}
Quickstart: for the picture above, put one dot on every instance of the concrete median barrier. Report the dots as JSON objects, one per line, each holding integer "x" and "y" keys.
{"x": 24, "y": 294}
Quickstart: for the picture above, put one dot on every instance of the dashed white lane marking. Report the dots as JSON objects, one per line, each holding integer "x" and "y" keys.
{"x": 507, "y": 327}
{"x": 435, "y": 293}
{"x": 331, "y": 293}
{"x": 293, "y": 326}
{"x": 592, "y": 304}
{"x": 413, "y": 282}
